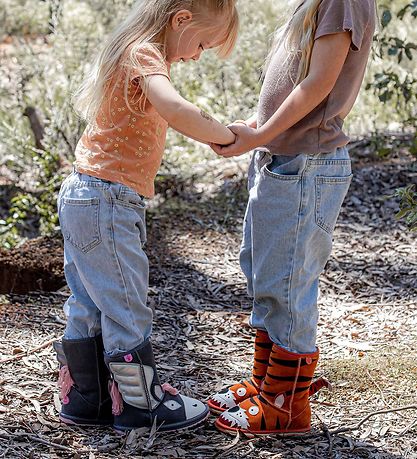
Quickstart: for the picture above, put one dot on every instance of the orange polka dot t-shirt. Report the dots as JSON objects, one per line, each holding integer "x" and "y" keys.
{"x": 127, "y": 146}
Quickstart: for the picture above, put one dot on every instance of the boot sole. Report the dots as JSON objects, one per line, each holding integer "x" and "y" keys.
{"x": 84, "y": 422}
{"x": 215, "y": 411}
{"x": 246, "y": 433}
{"x": 171, "y": 428}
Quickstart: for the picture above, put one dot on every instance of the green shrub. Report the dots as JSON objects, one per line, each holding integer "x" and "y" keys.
{"x": 54, "y": 41}
{"x": 408, "y": 206}
{"x": 395, "y": 85}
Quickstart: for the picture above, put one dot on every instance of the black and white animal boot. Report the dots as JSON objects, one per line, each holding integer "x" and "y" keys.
{"x": 83, "y": 380}
{"x": 139, "y": 400}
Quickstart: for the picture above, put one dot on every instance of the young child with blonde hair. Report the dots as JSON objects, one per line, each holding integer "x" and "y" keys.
{"x": 298, "y": 178}
{"x": 128, "y": 100}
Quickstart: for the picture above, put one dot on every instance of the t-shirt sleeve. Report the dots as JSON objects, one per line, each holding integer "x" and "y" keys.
{"x": 151, "y": 62}
{"x": 336, "y": 16}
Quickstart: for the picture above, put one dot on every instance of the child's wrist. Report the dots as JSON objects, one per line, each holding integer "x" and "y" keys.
{"x": 232, "y": 138}
{"x": 261, "y": 136}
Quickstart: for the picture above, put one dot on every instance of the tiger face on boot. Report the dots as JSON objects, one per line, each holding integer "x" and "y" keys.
{"x": 282, "y": 407}
{"x": 231, "y": 396}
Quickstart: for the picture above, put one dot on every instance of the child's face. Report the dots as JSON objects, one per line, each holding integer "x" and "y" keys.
{"x": 186, "y": 41}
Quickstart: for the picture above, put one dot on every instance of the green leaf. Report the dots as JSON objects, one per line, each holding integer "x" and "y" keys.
{"x": 400, "y": 56}
{"x": 386, "y": 95}
{"x": 384, "y": 152}
{"x": 408, "y": 53}
{"x": 402, "y": 213}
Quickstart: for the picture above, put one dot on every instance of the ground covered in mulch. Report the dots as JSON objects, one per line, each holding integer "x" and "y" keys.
{"x": 367, "y": 333}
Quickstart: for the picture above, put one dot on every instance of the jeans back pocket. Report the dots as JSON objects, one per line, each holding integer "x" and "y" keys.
{"x": 286, "y": 167}
{"x": 330, "y": 194}
{"x": 79, "y": 219}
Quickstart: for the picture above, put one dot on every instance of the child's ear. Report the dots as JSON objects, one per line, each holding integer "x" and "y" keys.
{"x": 181, "y": 19}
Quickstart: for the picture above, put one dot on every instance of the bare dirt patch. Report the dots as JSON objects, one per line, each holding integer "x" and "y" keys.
{"x": 35, "y": 265}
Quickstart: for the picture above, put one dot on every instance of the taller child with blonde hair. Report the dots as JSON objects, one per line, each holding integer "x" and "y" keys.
{"x": 128, "y": 101}
{"x": 299, "y": 176}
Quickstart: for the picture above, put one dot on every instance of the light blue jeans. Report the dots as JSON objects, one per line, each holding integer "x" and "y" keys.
{"x": 103, "y": 225}
{"x": 294, "y": 202}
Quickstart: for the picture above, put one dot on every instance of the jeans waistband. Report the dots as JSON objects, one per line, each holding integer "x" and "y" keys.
{"x": 339, "y": 154}
{"x": 119, "y": 188}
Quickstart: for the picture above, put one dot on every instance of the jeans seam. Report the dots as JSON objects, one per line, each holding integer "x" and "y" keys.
{"x": 329, "y": 162}
{"x": 82, "y": 184}
{"x": 119, "y": 266}
{"x": 293, "y": 262}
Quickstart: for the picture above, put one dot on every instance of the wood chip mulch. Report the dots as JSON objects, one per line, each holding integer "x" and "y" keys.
{"x": 367, "y": 333}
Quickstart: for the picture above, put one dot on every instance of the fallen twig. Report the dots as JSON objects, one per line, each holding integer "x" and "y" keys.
{"x": 30, "y": 351}
{"x": 409, "y": 427}
{"x": 38, "y": 439}
{"x": 329, "y": 439}
{"x": 361, "y": 422}
{"x": 235, "y": 444}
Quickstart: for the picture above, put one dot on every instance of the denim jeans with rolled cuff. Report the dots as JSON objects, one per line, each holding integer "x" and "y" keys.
{"x": 294, "y": 202}
{"x": 106, "y": 268}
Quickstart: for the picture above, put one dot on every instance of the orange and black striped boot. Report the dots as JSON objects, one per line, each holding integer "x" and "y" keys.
{"x": 233, "y": 395}
{"x": 283, "y": 406}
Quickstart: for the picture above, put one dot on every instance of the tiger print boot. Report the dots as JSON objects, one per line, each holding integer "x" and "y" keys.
{"x": 282, "y": 407}
{"x": 233, "y": 395}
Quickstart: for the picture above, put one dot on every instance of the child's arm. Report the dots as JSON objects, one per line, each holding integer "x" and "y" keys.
{"x": 182, "y": 115}
{"x": 303, "y": 99}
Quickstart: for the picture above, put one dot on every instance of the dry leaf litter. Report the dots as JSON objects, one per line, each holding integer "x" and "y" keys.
{"x": 367, "y": 332}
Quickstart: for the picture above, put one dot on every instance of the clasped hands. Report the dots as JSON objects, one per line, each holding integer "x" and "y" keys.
{"x": 247, "y": 138}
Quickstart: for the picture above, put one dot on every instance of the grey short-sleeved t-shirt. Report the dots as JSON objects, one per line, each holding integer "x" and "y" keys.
{"x": 321, "y": 130}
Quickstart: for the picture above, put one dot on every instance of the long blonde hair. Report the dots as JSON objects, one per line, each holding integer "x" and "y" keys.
{"x": 297, "y": 36}
{"x": 145, "y": 25}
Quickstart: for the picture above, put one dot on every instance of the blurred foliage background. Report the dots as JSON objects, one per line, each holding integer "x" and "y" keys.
{"x": 47, "y": 44}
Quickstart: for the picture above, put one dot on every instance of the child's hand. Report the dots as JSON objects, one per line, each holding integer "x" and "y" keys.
{"x": 246, "y": 140}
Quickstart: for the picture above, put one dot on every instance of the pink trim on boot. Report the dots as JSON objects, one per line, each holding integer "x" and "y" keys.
{"x": 116, "y": 398}
{"x": 166, "y": 387}
{"x": 65, "y": 382}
